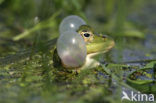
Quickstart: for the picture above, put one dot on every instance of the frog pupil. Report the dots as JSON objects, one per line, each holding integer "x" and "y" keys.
{"x": 86, "y": 35}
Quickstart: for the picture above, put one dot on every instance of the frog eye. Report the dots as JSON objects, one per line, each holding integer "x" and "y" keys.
{"x": 71, "y": 23}
{"x": 71, "y": 49}
{"x": 86, "y": 34}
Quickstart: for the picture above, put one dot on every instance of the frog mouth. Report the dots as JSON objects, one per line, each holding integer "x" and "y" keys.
{"x": 101, "y": 49}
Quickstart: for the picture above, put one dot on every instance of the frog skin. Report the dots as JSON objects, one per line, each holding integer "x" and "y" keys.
{"x": 95, "y": 44}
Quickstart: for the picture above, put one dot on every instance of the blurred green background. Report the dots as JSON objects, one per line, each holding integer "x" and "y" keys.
{"x": 26, "y": 24}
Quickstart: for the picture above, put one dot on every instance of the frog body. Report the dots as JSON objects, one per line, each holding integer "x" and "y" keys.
{"x": 95, "y": 44}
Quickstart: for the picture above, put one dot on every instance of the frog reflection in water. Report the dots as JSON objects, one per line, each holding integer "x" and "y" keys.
{"x": 95, "y": 44}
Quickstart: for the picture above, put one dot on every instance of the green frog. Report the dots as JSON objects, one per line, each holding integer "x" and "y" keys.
{"x": 95, "y": 44}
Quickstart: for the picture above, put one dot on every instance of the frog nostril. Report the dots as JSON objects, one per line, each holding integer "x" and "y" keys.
{"x": 103, "y": 36}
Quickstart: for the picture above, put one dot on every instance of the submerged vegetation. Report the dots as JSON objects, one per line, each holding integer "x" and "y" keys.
{"x": 28, "y": 35}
